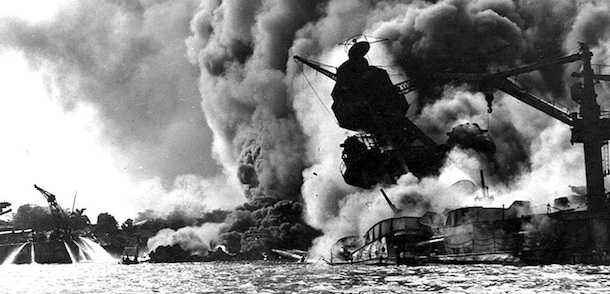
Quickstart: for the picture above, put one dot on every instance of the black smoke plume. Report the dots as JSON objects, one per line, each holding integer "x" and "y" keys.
{"x": 480, "y": 37}
{"x": 242, "y": 49}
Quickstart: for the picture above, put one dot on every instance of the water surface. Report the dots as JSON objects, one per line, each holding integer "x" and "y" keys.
{"x": 263, "y": 277}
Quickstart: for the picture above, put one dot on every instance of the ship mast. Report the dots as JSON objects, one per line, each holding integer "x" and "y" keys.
{"x": 592, "y": 138}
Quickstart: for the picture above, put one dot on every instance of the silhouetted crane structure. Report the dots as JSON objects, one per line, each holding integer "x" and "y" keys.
{"x": 588, "y": 126}
{"x": 56, "y": 210}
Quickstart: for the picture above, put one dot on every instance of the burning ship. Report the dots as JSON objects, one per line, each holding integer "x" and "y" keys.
{"x": 386, "y": 144}
{"x": 66, "y": 243}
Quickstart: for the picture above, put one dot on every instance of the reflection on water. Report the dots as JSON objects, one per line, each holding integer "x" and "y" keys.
{"x": 11, "y": 257}
{"x": 260, "y": 277}
{"x": 58, "y": 252}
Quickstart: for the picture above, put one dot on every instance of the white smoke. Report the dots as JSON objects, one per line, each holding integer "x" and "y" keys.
{"x": 126, "y": 60}
{"x": 192, "y": 239}
{"x": 189, "y": 194}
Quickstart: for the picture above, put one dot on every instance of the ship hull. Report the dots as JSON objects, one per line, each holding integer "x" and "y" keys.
{"x": 489, "y": 235}
{"x": 44, "y": 252}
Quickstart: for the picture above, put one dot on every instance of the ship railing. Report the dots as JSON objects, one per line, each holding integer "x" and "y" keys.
{"x": 371, "y": 251}
{"x": 495, "y": 243}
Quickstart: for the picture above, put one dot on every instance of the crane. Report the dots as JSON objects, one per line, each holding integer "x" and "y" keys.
{"x": 588, "y": 126}
{"x": 56, "y": 210}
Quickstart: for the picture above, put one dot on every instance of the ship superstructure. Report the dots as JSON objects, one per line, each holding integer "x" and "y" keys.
{"x": 388, "y": 144}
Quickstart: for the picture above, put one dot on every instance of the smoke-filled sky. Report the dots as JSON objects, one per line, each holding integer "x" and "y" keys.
{"x": 197, "y": 105}
{"x": 100, "y": 100}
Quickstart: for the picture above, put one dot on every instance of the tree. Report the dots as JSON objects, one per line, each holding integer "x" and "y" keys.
{"x": 128, "y": 227}
{"x": 106, "y": 224}
{"x": 37, "y": 218}
{"x": 79, "y": 221}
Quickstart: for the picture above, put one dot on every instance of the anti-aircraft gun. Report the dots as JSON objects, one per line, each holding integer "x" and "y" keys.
{"x": 387, "y": 143}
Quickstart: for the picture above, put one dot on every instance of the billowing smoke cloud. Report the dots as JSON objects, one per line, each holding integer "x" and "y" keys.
{"x": 284, "y": 158}
{"x": 478, "y": 36}
{"x": 189, "y": 194}
{"x": 128, "y": 59}
{"x": 269, "y": 131}
{"x": 242, "y": 50}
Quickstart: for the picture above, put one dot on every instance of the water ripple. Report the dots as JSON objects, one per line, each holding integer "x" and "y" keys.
{"x": 261, "y": 277}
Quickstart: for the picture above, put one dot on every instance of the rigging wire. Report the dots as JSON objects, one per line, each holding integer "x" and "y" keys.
{"x": 317, "y": 95}
{"x": 488, "y": 122}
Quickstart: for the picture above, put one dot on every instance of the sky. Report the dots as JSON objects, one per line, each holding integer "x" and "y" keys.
{"x": 116, "y": 157}
{"x": 50, "y": 148}
{"x": 42, "y": 144}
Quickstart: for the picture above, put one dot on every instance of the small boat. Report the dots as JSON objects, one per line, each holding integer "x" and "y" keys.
{"x": 130, "y": 255}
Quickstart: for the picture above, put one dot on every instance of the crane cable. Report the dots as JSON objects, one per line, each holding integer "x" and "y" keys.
{"x": 317, "y": 95}
{"x": 488, "y": 122}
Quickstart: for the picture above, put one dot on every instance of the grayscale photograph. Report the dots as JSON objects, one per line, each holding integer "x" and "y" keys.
{"x": 304, "y": 146}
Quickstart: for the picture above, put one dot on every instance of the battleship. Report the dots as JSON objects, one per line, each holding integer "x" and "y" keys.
{"x": 66, "y": 243}
{"x": 387, "y": 144}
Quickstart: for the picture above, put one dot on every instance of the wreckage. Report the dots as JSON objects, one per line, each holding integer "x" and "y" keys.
{"x": 388, "y": 144}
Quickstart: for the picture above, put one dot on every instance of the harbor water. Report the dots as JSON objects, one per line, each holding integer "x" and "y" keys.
{"x": 266, "y": 277}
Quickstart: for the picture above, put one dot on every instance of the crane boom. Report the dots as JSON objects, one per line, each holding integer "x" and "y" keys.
{"x": 56, "y": 210}
{"x": 317, "y": 67}
{"x": 597, "y": 77}
{"x": 537, "y": 66}
{"x": 403, "y": 87}
{"x": 500, "y": 81}
{"x": 545, "y": 106}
